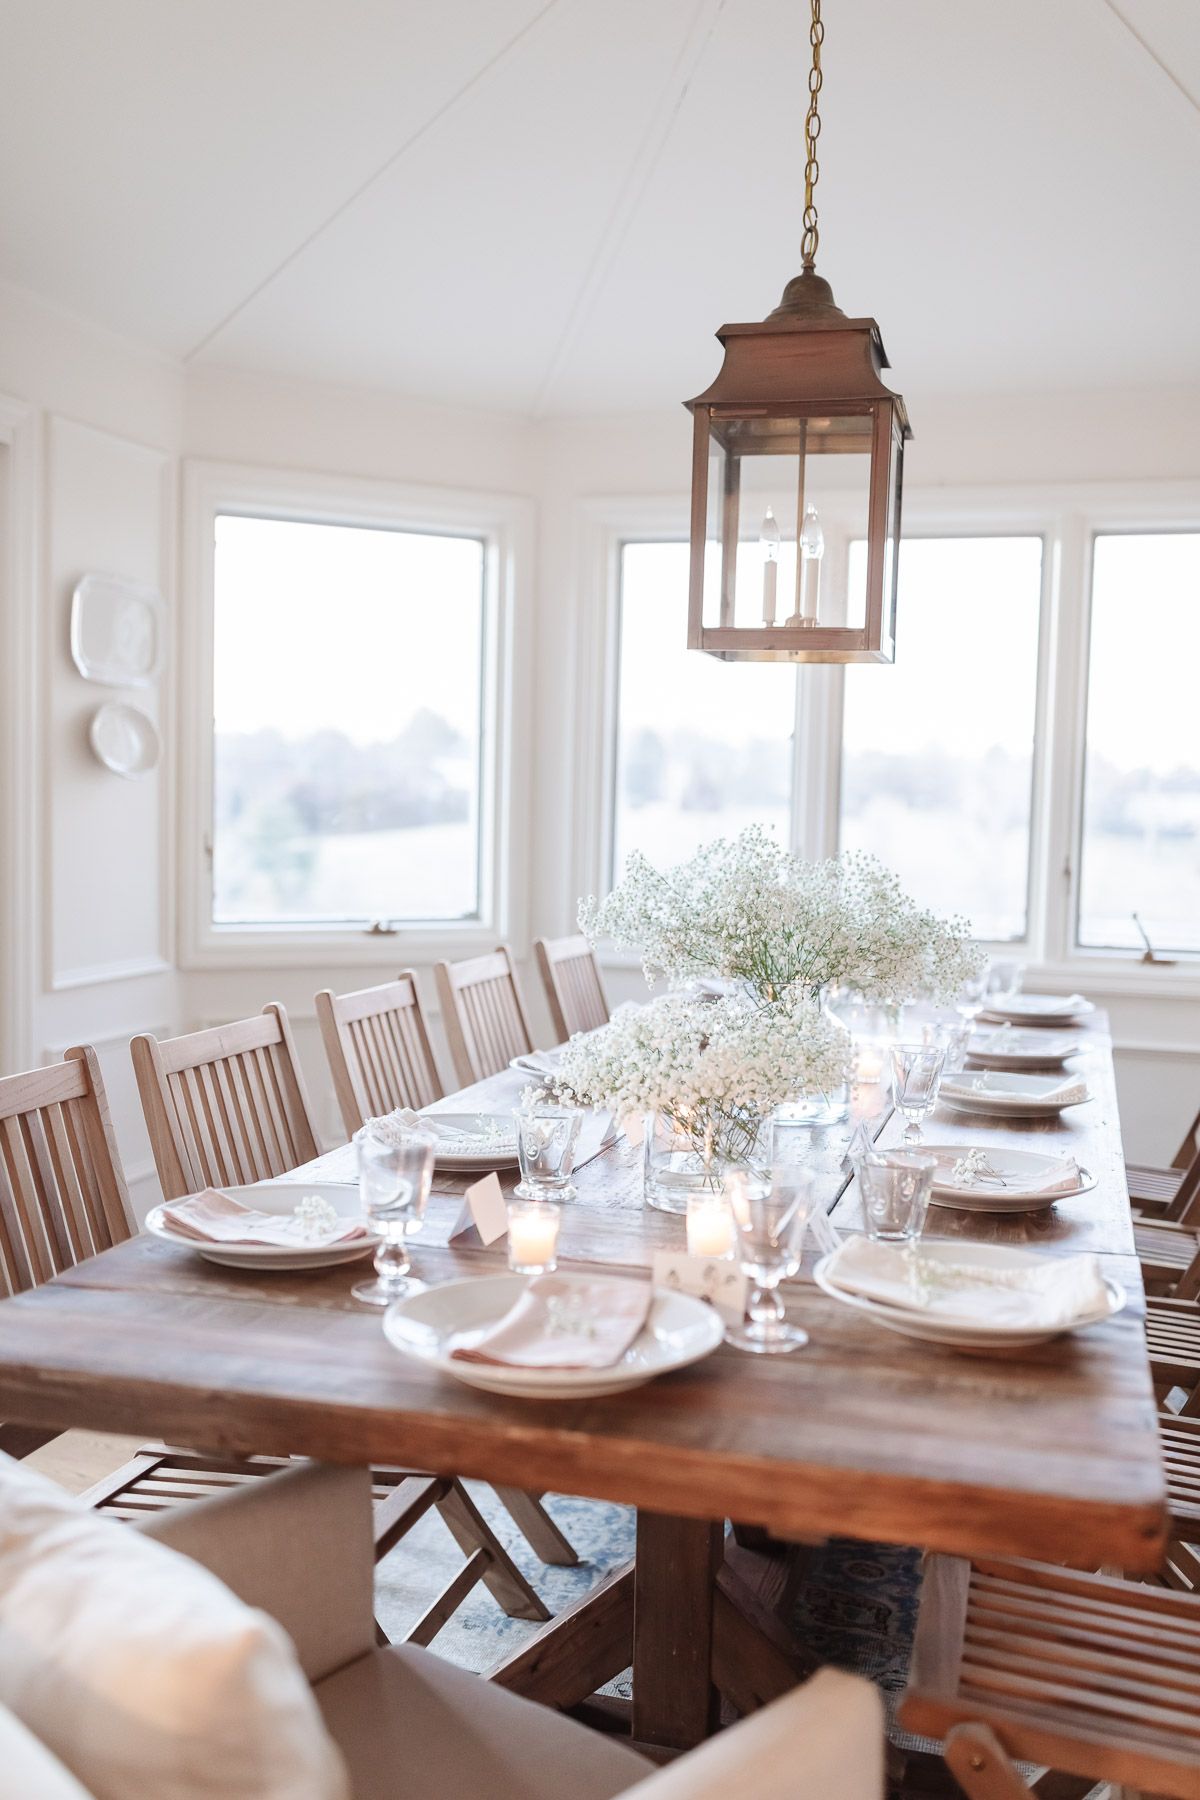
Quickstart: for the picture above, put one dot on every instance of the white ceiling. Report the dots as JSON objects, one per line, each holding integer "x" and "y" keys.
{"x": 549, "y": 207}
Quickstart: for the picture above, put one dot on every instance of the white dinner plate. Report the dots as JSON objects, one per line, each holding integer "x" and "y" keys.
{"x": 491, "y": 1143}
{"x": 1019, "y": 1168}
{"x": 1038, "y": 1009}
{"x": 956, "y": 1336}
{"x": 999, "y": 1099}
{"x": 678, "y": 1331}
{"x": 1016, "y": 1049}
{"x": 276, "y": 1197}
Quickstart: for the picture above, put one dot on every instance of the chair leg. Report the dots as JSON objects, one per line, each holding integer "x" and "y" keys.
{"x": 505, "y": 1582}
{"x": 537, "y": 1527}
{"x": 977, "y": 1760}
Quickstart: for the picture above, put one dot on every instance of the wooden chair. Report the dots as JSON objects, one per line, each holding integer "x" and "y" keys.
{"x": 1169, "y": 1255}
{"x": 228, "y": 1106}
{"x": 378, "y": 1050}
{"x": 483, "y": 1014}
{"x": 1087, "y": 1675}
{"x": 572, "y": 982}
{"x": 1156, "y": 1192}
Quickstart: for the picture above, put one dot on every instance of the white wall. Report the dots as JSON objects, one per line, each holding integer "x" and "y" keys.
{"x": 94, "y": 959}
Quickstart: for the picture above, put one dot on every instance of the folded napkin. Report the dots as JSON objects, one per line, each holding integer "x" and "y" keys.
{"x": 493, "y": 1133}
{"x": 563, "y": 1322}
{"x": 539, "y": 1062}
{"x": 216, "y": 1218}
{"x": 1053, "y": 1291}
{"x": 1013, "y": 1187}
{"x": 969, "y": 1087}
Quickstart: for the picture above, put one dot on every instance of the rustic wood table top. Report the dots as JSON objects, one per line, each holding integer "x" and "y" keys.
{"x": 1051, "y": 1452}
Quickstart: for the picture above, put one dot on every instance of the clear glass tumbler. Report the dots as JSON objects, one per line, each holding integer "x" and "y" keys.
{"x": 916, "y": 1078}
{"x": 546, "y": 1140}
{"x": 393, "y": 1183}
{"x": 895, "y": 1186}
{"x": 770, "y": 1215}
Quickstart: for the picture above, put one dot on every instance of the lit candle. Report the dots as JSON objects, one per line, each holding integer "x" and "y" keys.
{"x": 532, "y": 1236}
{"x": 768, "y": 539}
{"x": 709, "y": 1226}
{"x": 812, "y": 548}
{"x": 868, "y": 1062}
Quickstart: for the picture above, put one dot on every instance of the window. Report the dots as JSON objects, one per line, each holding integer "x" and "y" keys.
{"x": 348, "y": 682}
{"x": 1140, "y": 850}
{"x": 703, "y": 747}
{"x": 937, "y": 750}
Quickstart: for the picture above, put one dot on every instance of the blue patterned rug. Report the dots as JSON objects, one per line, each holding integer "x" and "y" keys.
{"x": 857, "y": 1606}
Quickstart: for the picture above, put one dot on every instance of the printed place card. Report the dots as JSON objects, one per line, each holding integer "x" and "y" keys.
{"x": 710, "y": 1278}
{"x": 483, "y": 1210}
{"x": 634, "y": 1127}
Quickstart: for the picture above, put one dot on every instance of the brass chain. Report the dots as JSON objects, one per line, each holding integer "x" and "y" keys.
{"x": 812, "y": 131}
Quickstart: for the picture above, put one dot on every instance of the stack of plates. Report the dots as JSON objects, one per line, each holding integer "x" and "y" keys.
{"x": 915, "y": 1323}
{"x": 678, "y": 1331}
{"x": 1010, "y": 1180}
{"x": 1011, "y": 1096}
{"x": 1007, "y": 1048}
{"x": 1037, "y": 1009}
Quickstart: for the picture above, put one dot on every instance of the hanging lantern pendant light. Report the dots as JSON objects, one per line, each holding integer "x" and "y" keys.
{"x": 798, "y": 419}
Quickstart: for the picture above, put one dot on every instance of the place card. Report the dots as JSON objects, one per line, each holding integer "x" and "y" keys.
{"x": 821, "y": 1226}
{"x": 483, "y": 1210}
{"x": 634, "y": 1127}
{"x": 711, "y": 1278}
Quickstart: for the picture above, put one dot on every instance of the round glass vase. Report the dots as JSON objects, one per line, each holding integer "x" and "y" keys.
{"x": 675, "y": 1168}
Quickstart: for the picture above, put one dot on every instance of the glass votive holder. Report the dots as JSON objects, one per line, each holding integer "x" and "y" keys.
{"x": 533, "y": 1236}
{"x": 710, "y": 1226}
{"x": 546, "y": 1140}
{"x": 895, "y": 1186}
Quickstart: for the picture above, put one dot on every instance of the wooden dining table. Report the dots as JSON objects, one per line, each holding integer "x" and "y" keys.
{"x": 1050, "y": 1452}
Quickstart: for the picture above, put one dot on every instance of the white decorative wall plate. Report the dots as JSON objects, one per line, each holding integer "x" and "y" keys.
{"x": 117, "y": 630}
{"x": 124, "y": 739}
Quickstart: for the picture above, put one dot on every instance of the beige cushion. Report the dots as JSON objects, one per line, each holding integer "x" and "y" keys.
{"x": 413, "y": 1727}
{"x": 28, "y": 1769}
{"x": 139, "y": 1670}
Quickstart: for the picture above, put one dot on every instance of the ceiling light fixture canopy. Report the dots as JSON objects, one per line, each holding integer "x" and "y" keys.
{"x": 798, "y": 425}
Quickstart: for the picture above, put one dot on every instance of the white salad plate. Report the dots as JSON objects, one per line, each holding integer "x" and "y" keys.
{"x": 953, "y": 1334}
{"x": 678, "y": 1331}
{"x": 1012, "y": 1096}
{"x": 489, "y": 1141}
{"x": 1016, "y": 1190}
{"x": 1015, "y": 1049}
{"x": 1038, "y": 1009}
{"x": 281, "y": 1197}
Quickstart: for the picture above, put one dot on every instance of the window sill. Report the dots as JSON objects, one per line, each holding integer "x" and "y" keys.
{"x": 345, "y": 948}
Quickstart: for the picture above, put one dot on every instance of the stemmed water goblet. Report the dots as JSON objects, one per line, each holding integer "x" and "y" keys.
{"x": 394, "y": 1178}
{"x": 916, "y": 1078}
{"x": 770, "y": 1214}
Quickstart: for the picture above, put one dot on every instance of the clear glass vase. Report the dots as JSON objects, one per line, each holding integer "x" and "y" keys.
{"x": 824, "y": 1106}
{"x": 678, "y": 1163}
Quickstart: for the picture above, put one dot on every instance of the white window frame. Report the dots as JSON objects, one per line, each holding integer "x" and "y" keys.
{"x": 1067, "y": 517}
{"x": 505, "y": 524}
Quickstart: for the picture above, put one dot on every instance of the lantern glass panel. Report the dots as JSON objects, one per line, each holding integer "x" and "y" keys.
{"x": 775, "y": 477}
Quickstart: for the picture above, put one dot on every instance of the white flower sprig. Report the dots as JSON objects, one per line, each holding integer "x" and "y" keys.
{"x": 750, "y": 911}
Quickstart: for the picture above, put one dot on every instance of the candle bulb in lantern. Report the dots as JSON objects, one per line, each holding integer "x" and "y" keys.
{"x": 768, "y": 541}
{"x": 709, "y": 1226}
{"x": 532, "y": 1236}
{"x": 811, "y": 547}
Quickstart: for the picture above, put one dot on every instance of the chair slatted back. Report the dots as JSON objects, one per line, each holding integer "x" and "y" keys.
{"x": 572, "y": 982}
{"x": 62, "y": 1190}
{"x": 224, "y": 1106}
{"x": 483, "y": 1014}
{"x": 378, "y": 1049}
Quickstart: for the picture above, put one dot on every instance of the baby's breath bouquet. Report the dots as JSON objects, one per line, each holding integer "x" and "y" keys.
{"x": 715, "y": 1069}
{"x": 749, "y": 910}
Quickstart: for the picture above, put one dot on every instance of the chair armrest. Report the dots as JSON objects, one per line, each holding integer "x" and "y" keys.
{"x": 823, "y": 1739}
{"x": 299, "y": 1546}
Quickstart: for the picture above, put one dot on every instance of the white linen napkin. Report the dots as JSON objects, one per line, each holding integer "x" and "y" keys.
{"x": 562, "y": 1322}
{"x": 969, "y": 1087}
{"x": 1051, "y": 1292}
{"x": 213, "y": 1217}
{"x": 495, "y": 1132}
{"x": 545, "y": 1063}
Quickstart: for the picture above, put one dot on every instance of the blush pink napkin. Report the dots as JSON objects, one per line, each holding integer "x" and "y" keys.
{"x": 216, "y": 1218}
{"x": 563, "y": 1322}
